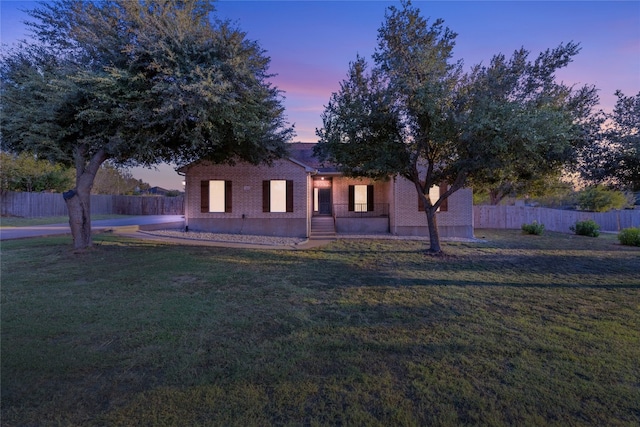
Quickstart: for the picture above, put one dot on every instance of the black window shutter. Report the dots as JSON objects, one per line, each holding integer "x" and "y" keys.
{"x": 444, "y": 206}
{"x": 228, "y": 197}
{"x": 266, "y": 196}
{"x": 204, "y": 196}
{"x": 289, "y": 195}
{"x": 421, "y": 200}
{"x": 370, "y": 203}
{"x": 352, "y": 198}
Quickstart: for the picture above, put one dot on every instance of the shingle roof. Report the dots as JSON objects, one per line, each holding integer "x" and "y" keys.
{"x": 303, "y": 152}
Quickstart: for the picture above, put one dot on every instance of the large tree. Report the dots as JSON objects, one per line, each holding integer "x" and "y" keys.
{"x": 416, "y": 114}
{"x": 615, "y": 157}
{"x": 137, "y": 83}
{"x": 536, "y": 126}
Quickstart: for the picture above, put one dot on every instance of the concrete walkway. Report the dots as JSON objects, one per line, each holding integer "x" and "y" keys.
{"x": 140, "y": 234}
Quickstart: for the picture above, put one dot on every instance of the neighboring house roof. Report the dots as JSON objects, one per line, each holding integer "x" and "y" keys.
{"x": 157, "y": 190}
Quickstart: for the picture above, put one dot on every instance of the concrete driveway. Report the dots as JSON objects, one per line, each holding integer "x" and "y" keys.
{"x": 142, "y": 222}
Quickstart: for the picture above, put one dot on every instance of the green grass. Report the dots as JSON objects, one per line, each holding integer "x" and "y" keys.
{"x": 518, "y": 330}
{"x": 14, "y": 221}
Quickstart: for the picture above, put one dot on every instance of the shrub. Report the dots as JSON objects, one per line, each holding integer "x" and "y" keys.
{"x": 630, "y": 236}
{"x": 586, "y": 228}
{"x": 533, "y": 228}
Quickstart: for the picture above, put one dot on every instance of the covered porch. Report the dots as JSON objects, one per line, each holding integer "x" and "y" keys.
{"x": 356, "y": 206}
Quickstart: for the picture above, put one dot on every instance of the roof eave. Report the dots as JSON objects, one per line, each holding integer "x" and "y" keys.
{"x": 306, "y": 168}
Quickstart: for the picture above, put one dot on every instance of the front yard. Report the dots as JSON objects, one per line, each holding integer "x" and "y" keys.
{"x": 517, "y": 330}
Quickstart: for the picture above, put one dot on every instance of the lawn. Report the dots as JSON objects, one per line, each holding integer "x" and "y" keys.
{"x": 14, "y": 221}
{"x": 516, "y": 330}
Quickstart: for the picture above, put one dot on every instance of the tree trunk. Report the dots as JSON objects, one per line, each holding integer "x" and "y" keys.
{"x": 78, "y": 200}
{"x": 434, "y": 236}
{"x": 430, "y": 210}
{"x": 79, "y": 205}
{"x": 496, "y": 196}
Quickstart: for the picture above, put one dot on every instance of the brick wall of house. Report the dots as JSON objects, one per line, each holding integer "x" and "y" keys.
{"x": 246, "y": 216}
{"x": 395, "y": 199}
{"x": 341, "y": 185}
{"x": 407, "y": 219}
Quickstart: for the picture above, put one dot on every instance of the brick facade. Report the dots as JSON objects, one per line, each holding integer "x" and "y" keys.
{"x": 247, "y": 214}
{"x": 408, "y": 220}
{"x": 396, "y": 208}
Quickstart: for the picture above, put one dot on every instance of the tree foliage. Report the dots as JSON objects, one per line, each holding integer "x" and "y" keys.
{"x": 598, "y": 198}
{"x": 417, "y": 114}
{"x": 137, "y": 83}
{"x": 531, "y": 126}
{"x": 615, "y": 157}
{"x": 25, "y": 172}
{"x": 117, "y": 181}
{"x": 548, "y": 189}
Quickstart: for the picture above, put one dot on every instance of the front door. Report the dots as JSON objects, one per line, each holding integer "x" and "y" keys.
{"x": 324, "y": 201}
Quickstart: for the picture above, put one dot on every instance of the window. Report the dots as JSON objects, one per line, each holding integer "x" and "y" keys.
{"x": 361, "y": 198}
{"x": 215, "y": 196}
{"x": 434, "y": 194}
{"x": 277, "y": 196}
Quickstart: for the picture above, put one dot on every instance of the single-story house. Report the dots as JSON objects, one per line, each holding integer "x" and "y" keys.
{"x": 299, "y": 197}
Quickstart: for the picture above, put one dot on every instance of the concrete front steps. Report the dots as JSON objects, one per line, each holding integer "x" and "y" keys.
{"x": 322, "y": 228}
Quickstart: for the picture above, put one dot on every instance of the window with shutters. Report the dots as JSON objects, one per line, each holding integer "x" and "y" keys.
{"x": 216, "y": 196}
{"x": 361, "y": 198}
{"x": 277, "y": 195}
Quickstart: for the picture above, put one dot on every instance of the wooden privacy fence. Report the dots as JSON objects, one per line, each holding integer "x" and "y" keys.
{"x": 30, "y": 205}
{"x": 553, "y": 219}
{"x": 148, "y": 205}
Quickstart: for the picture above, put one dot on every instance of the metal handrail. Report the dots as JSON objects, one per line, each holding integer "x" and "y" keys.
{"x": 341, "y": 210}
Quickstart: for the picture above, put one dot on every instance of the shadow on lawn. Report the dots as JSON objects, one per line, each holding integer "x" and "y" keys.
{"x": 523, "y": 285}
{"x": 542, "y": 271}
{"x": 383, "y": 263}
{"x": 369, "y": 332}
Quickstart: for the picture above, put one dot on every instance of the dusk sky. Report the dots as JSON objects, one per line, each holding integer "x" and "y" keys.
{"x": 312, "y": 42}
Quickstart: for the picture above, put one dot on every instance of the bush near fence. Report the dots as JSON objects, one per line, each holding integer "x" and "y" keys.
{"x": 31, "y": 205}
{"x": 512, "y": 217}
